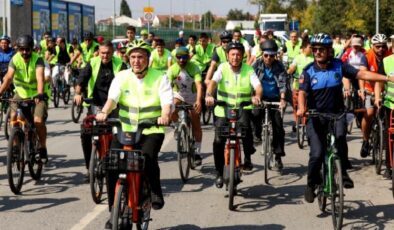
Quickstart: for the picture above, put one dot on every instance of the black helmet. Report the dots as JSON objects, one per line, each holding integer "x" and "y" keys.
{"x": 235, "y": 45}
{"x": 226, "y": 35}
{"x": 269, "y": 46}
{"x": 88, "y": 35}
{"x": 25, "y": 41}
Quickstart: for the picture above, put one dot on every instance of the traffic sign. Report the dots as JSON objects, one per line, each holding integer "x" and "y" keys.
{"x": 149, "y": 9}
{"x": 148, "y": 16}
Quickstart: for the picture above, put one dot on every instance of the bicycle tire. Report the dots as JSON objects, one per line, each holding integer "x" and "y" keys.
{"x": 337, "y": 195}
{"x": 300, "y": 129}
{"x": 265, "y": 152}
{"x": 120, "y": 215}
{"x": 7, "y": 124}
{"x": 56, "y": 96}
{"x": 183, "y": 152}
{"x": 66, "y": 95}
{"x": 2, "y": 112}
{"x": 321, "y": 199}
{"x": 146, "y": 205}
{"x": 16, "y": 161}
{"x": 192, "y": 152}
{"x": 392, "y": 177}
{"x": 76, "y": 111}
{"x": 231, "y": 182}
{"x": 96, "y": 179}
{"x": 35, "y": 168}
{"x": 379, "y": 154}
{"x": 206, "y": 115}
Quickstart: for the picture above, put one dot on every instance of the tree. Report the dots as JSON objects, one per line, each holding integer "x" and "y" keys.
{"x": 207, "y": 19}
{"x": 125, "y": 9}
{"x": 219, "y": 24}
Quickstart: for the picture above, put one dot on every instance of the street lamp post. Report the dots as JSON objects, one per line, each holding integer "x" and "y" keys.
{"x": 4, "y": 14}
{"x": 113, "y": 21}
{"x": 377, "y": 16}
{"x": 170, "y": 14}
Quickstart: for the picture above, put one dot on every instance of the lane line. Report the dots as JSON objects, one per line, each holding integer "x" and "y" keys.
{"x": 88, "y": 218}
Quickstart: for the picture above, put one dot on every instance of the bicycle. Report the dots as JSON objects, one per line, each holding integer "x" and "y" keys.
{"x": 102, "y": 137}
{"x": 23, "y": 146}
{"x": 331, "y": 173}
{"x": 266, "y": 148}
{"x": 233, "y": 132}
{"x": 132, "y": 203}
{"x": 5, "y": 112}
{"x": 185, "y": 142}
{"x": 376, "y": 140}
{"x": 390, "y": 135}
{"x": 76, "y": 112}
{"x": 60, "y": 87}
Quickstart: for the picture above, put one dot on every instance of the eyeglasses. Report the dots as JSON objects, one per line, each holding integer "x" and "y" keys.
{"x": 23, "y": 49}
{"x": 320, "y": 49}
{"x": 225, "y": 41}
{"x": 88, "y": 40}
{"x": 380, "y": 47}
{"x": 184, "y": 57}
{"x": 269, "y": 55}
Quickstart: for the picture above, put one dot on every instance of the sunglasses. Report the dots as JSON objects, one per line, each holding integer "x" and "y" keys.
{"x": 320, "y": 49}
{"x": 184, "y": 57}
{"x": 380, "y": 47}
{"x": 269, "y": 55}
{"x": 22, "y": 49}
{"x": 88, "y": 40}
{"x": 225, "y": 41}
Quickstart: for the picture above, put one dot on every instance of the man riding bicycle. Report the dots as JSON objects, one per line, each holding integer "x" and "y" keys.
{"x": 6, "y": 54}
{"x": 142, "y": 93}
{"x": 236, "y": 82}
{"x": 62, "y": 57}
{"x": 272, "y": 76}
{"x": 204, "y": 52}
{"x": 88, "y": 49}
{"x": 186, "y": 78}
{"x": 97, "y": 77}
{"x": 321, "y": 85}
{"x": 26, "y": 72}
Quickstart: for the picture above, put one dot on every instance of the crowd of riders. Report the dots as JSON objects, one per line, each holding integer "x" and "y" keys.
{"x": 144, "y": 78}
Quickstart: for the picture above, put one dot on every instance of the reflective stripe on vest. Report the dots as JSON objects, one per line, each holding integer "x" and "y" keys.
{"x": 25, "y": 81}
{"x": 138, "y": 102}
{"x": 388, "y": 63}
{"x": 95, "y": 63}
{"x": 234, "y": 91}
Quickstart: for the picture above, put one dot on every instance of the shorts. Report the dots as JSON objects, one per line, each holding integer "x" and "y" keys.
{"x": 40, "y": 109}
{"x": 368, "y": 104}
{"x": 189, "y": 99}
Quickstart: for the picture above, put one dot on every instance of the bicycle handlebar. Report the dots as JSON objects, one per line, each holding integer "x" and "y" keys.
{"x": 241, "y": 105}
{"x": 330, "y": 116}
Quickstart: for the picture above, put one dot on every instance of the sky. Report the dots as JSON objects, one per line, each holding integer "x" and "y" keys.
{"x": 105, "y": 8}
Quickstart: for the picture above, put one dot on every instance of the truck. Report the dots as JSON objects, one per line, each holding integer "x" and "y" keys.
{"x": 275, "y": 22}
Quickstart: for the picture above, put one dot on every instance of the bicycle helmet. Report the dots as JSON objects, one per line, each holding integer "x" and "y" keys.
{"x": 269, "y": 46}
{"x": 181, "y": 51}
{"x": 138, "y": 44}
{"x": 88, "y": 35}
{"x": 25, "y": 41}
{"x": 235, "y": 45}
{"x": 226, "y": 35}
{"x": 321, "y": 39}
{"x": 379, "y": 39}
{"x": 5, "y": 37}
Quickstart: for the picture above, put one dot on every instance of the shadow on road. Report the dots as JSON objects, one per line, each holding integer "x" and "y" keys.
{"x": 32, "y": 205}
{"x": 236, "y": 227}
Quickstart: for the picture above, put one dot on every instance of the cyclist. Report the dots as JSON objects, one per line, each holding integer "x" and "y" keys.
{"x": 292, "y": 47}
{"x": 374, "y": 59}
{"x": 6, "y": 53}
{"x": 97, "y": 77}
{"x": 50, "y": 53}
{"x": 144, "y": 35}
{"x": 88, "y": 49}
{"x": 149, "y": 92}
{"x": 321, "y": 86}
{"x": 26, "y": 72}
{"x": 225, "y": 79}
{"x": 178, "y": 43}
{"x": 63, "y": 54}
{"x": 256, "y": 51}
{"x": 296, "y": 67}
{"x": 237, "y": 37}
{"x": 204, "y": 52}
{"x": 130, "y": 34}
{"x": 192, "y": 44}
{"x": 186, "y": 78}
{"x": 338, "y": 46}
{"x": 44, "y": 43}
{"x": 160, "y": 58}
{"x": 272, "y": 76}
{"x": 219, "y": 55}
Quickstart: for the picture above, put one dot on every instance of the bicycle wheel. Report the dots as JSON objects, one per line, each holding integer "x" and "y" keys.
{"x": 16, "y": 160}
{"x": 300, "y": 132}
{"x": 76, "y": 111}
{"x": 35, "y": 168}
{"x": 66, "y": 94}
{"x": 378, "y": 149}
{"x": 206, "y": 115}
{"x": 56, "y": 95}
{"x": 337, "y": 195}
{"x": 145, "y": 205}
{"x": 265, "y": 148}
{"x": 231, "y": 182}
{"x": 183, "y": 152}
{"x": 2, "y": 113}
{"x": 321, "y": 197}
{"x": 192, "y": 152}
{"x": 121, "y": 214}
{"x": 7, "y": 124}
{"x": 96, "y": 179}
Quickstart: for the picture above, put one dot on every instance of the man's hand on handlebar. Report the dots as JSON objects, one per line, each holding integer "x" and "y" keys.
{"x": 78, "y": 99}
{"x": 256, "y": 101}
{"x": 101, "y": 116}
{"x": 301, "y": 112}
{"x": 163, "y": 120}
{"x": 209, "y": 100}
{"x": 197, "y": 106}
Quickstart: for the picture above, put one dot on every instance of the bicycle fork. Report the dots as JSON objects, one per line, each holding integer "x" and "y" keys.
{"x": 131, "y": 182}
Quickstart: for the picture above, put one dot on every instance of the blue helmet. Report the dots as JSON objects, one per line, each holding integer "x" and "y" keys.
{"x": 321, "y": 39}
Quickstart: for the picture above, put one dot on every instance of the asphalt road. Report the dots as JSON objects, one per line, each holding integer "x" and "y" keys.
{"x": 61, "y": 199}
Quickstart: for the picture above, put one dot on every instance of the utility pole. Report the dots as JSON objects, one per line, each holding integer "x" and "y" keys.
{"x": 4, "y": 14}
{"x": 377, "y": 17}
{"x": 113, "y": 21}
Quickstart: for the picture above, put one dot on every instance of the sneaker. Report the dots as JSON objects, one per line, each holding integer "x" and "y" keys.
{"x": 219, "y": 181}
{"x": 108, "y": 224}
{"x": 387, "y": 174}
{"x": 309, "y": 194}
{"x": 364, "y": 149}
{"x": 279, "y": 163}
{"x": 86, "y": 178}
{"x": 197, "y": 159}
{"x": 294, "y": 128}
{"x": 257, "y": 140}
{"x": 157, "y": 201}
{"x": 43, "y": 155}
{"x": 347, "y": 182}
{"x": 248, "y": 166}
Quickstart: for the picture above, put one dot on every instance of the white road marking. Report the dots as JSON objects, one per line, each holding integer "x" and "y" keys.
{"x": 85, "y": 221}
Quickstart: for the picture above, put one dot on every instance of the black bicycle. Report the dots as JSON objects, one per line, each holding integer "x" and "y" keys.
{"x": 60, "y": 87}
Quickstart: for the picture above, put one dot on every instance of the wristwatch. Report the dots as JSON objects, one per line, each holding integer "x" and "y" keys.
{"x": 208, "y": 95}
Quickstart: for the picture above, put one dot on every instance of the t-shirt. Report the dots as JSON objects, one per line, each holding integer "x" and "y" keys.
{"x": 324, "y": 86}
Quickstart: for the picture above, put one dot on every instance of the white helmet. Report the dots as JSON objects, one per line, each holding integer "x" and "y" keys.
{"x": 379, "y": 39}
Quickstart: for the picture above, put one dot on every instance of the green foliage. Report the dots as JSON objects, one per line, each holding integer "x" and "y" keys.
{"x": 125, "y": 9}
{"x": 207, "y": 19}
{"x": 219, "y": 24}
{"x": 235, "y": 14}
